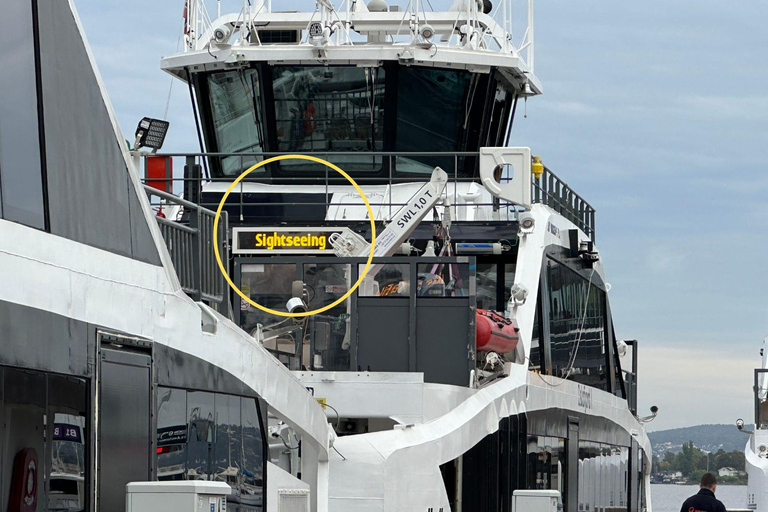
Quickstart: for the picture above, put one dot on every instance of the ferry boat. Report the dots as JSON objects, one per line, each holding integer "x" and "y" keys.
{"x": 756, "y": 449}
{"x": 476, "y": 359}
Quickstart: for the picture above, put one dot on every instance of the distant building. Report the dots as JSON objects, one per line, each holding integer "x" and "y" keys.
{"x": 671, "y": 477}
{"x": 729, "y": 472}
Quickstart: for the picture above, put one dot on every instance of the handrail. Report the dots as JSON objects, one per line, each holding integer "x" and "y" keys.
{"x": 548, "y": 188}
{"x": 190, "y": 246}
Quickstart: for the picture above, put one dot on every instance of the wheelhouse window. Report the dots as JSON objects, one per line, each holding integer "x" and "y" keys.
{"x": 329, "y": 109}
{"x": 432, "y": 114}
{"x": 345, "y": 113}
{"x": 234, "y": 98}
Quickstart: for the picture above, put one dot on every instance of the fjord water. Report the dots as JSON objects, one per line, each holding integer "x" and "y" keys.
{"x": 669, "y": 498}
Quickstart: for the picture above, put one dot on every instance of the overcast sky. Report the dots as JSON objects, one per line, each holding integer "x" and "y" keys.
{"x": 657, "y": 113}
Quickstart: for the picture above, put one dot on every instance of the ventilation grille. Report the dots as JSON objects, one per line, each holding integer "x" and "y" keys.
{"x": 278, "y": 36}
{"x": 292, "y": 500}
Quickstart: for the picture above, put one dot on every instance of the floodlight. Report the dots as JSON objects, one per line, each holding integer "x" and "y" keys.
{"x": 151, "y": 133}
{"x": 221, "y": 35}
{"x": 519, "y": 293}
{"x": 526, "y": 223}
{"x": 427, "y": 32}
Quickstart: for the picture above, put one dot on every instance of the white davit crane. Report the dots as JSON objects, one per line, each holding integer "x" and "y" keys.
{"x": 349, "y": 244}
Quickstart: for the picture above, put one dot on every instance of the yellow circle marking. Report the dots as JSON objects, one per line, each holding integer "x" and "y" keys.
{"x": 216, "y": 229}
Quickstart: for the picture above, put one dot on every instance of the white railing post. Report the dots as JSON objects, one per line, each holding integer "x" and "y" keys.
{"x": 530, "y": 35}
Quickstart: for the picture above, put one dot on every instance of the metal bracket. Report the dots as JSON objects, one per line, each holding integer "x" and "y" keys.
{"x": 515, "y": 188}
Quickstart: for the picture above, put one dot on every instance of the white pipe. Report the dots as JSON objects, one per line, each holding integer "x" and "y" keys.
{"x": 530, "y": 35}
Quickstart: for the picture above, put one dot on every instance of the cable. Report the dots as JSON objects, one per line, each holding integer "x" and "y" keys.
{"x": 170, "y": 89}
{"x": 338, "y": 424}
{"x": 337, "y": 451}
{"x": 338, "y": 418}
{"x": 286, "y": 444}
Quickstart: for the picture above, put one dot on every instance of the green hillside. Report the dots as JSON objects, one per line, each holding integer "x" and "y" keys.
{"x": 709, "y": 438}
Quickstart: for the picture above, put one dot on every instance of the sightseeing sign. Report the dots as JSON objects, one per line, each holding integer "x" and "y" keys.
{"x": 281, "y": 240}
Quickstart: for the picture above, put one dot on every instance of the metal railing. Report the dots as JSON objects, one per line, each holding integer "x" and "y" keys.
{"x": 376, "y": 168}
{"x": 549, "y": 189}
{"x": 189, "y": 239}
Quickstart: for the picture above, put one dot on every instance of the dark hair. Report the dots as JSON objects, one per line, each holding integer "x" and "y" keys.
{"x": 708, "y": 480}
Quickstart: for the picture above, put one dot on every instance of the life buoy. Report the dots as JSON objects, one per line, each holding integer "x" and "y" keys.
{"x": 309, "y": 119}
{"x": 24, "y": 482}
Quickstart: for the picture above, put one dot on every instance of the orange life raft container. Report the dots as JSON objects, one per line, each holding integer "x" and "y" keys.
{"x": 495, "y": 333}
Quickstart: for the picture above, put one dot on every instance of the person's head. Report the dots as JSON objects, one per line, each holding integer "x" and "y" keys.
{"x": 708, "y": 481}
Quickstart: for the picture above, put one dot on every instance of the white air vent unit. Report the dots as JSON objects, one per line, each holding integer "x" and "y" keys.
{"x": 292, "y": 500}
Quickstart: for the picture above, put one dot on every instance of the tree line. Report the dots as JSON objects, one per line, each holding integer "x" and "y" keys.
{"x": 693, "y": 463}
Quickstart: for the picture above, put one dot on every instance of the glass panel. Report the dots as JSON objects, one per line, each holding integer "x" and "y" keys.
{"x": 537, "y": 351}
{"x": 268, "y": 284}
{"x": 228, "y": 453}
{"x": 546, "y": 459}
{"x": 66, "y": 412}
{"x": 329, "y": 109}
{"x": 24, "y": 436}
{"x": 391, "y": 280}
{"x": 20, "y": 162}
{"x": 432, "y": 105}
{"x": 251, "y": 490}
{"x": 201, "y": 435}
{"x": 171, "y": 434}
{"x": 443, "y": 280}
{"x": 577, "y": 327}
{"x": 603, "y": 477}
{"x": 328, "y": 331}
{"x": 509, "y": 280}
{"x": 486, "y": 286}
{"x": 236, "y": 120}
{"x": 68, "y": 467}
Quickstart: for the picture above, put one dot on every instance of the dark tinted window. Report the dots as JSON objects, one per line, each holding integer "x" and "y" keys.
{"x": 43, "y": 419}
{"x": 229, "y": 441}
{"x": 21, "y": 182}
{"x": 171, "y": 434}
{"x": 577, "y": 327}
{"x": 432, "y": 107}
{"x": 537, "y": 360}
{"x": 202, "y": 436}
{"x": 212, "y": 436}
{"x": 252, "y": 484}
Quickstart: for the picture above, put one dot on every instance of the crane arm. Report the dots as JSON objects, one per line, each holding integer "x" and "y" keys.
{"x": 351, "y": 244}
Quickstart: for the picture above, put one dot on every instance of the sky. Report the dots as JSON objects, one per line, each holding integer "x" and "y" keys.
{"x": 655, "y": 112}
